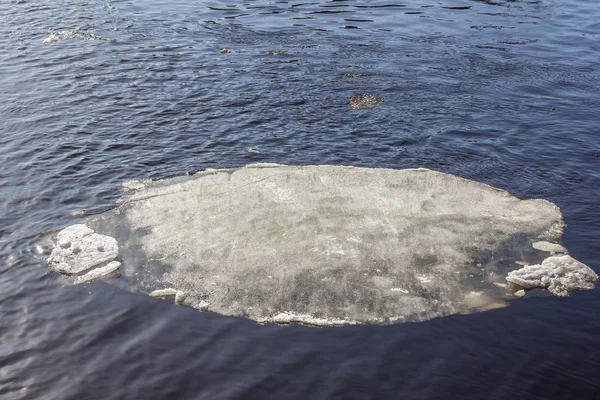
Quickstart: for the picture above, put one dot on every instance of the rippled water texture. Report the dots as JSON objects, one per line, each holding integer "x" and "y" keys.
{"x": 505, "y": 93}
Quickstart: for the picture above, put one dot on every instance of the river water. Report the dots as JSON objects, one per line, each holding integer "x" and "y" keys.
{"x": 502, "y": 92}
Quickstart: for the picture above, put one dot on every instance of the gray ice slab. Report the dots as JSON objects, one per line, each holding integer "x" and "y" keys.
{"x": 326, "y": 245}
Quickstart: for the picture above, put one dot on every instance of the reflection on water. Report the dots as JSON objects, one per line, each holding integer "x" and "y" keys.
{"x": 503, "y": 92}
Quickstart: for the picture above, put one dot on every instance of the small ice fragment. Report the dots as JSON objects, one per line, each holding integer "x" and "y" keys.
{"x": 355, "y": 76}
{"x": 68, "y": 34}
{"x": 180, "y": 297}
{"x": 364, "y": 101}
{"x": 224, "y": 51}
{"x": 51, "y": 39}
{"x": 396, "y": 289}
{"x": 558, "y": 274}
{"x": 203, "y": 306}
{"x": 520, "y": 293}
{"x": 521, "y": 263}
{"x": 73, "y": 33}
{"x": 164, "y": 293}
{"x": 98, "y": 273}
{"x": 253, "y": 150}
{"x": 549, "y": 247}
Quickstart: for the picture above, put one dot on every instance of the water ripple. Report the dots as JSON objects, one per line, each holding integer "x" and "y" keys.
{"x": 503, "y": 92}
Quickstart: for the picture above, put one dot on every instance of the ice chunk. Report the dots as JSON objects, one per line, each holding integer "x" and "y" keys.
{"x": 557, "y": 274}
{"x": 164, "y": 293}
{"x": 79, "y": 249}
{"x": 549, "y": 247}
{"x": 51, "y": 39}
{"x": 202, "y": 306}
{"x": 68, "y": 34}
{"x": 364, "y": 101}
{"x": 99, "y": 273}
{"x": 180, "y": 296}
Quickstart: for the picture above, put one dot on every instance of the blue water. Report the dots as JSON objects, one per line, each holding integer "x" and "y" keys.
{"x": 505, "y": 93}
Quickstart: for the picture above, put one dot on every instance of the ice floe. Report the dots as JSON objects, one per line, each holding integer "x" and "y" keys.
{"x": 272, "y": 243}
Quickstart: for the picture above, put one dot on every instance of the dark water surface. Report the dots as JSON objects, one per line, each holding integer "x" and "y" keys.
{"x": 503, "y": 92}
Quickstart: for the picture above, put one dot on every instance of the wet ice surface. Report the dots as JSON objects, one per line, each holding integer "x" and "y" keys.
{"x": 326, "y": 245}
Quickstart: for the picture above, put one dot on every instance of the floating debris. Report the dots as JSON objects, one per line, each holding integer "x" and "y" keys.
{"x": 180, "y": 297}
{"x": 355, "y": 76}
{"x": 202, "y": 306}
{"x": 364, "y": 101}
{"x": 68, "y": 34}
{"x": 51, "y": 39}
